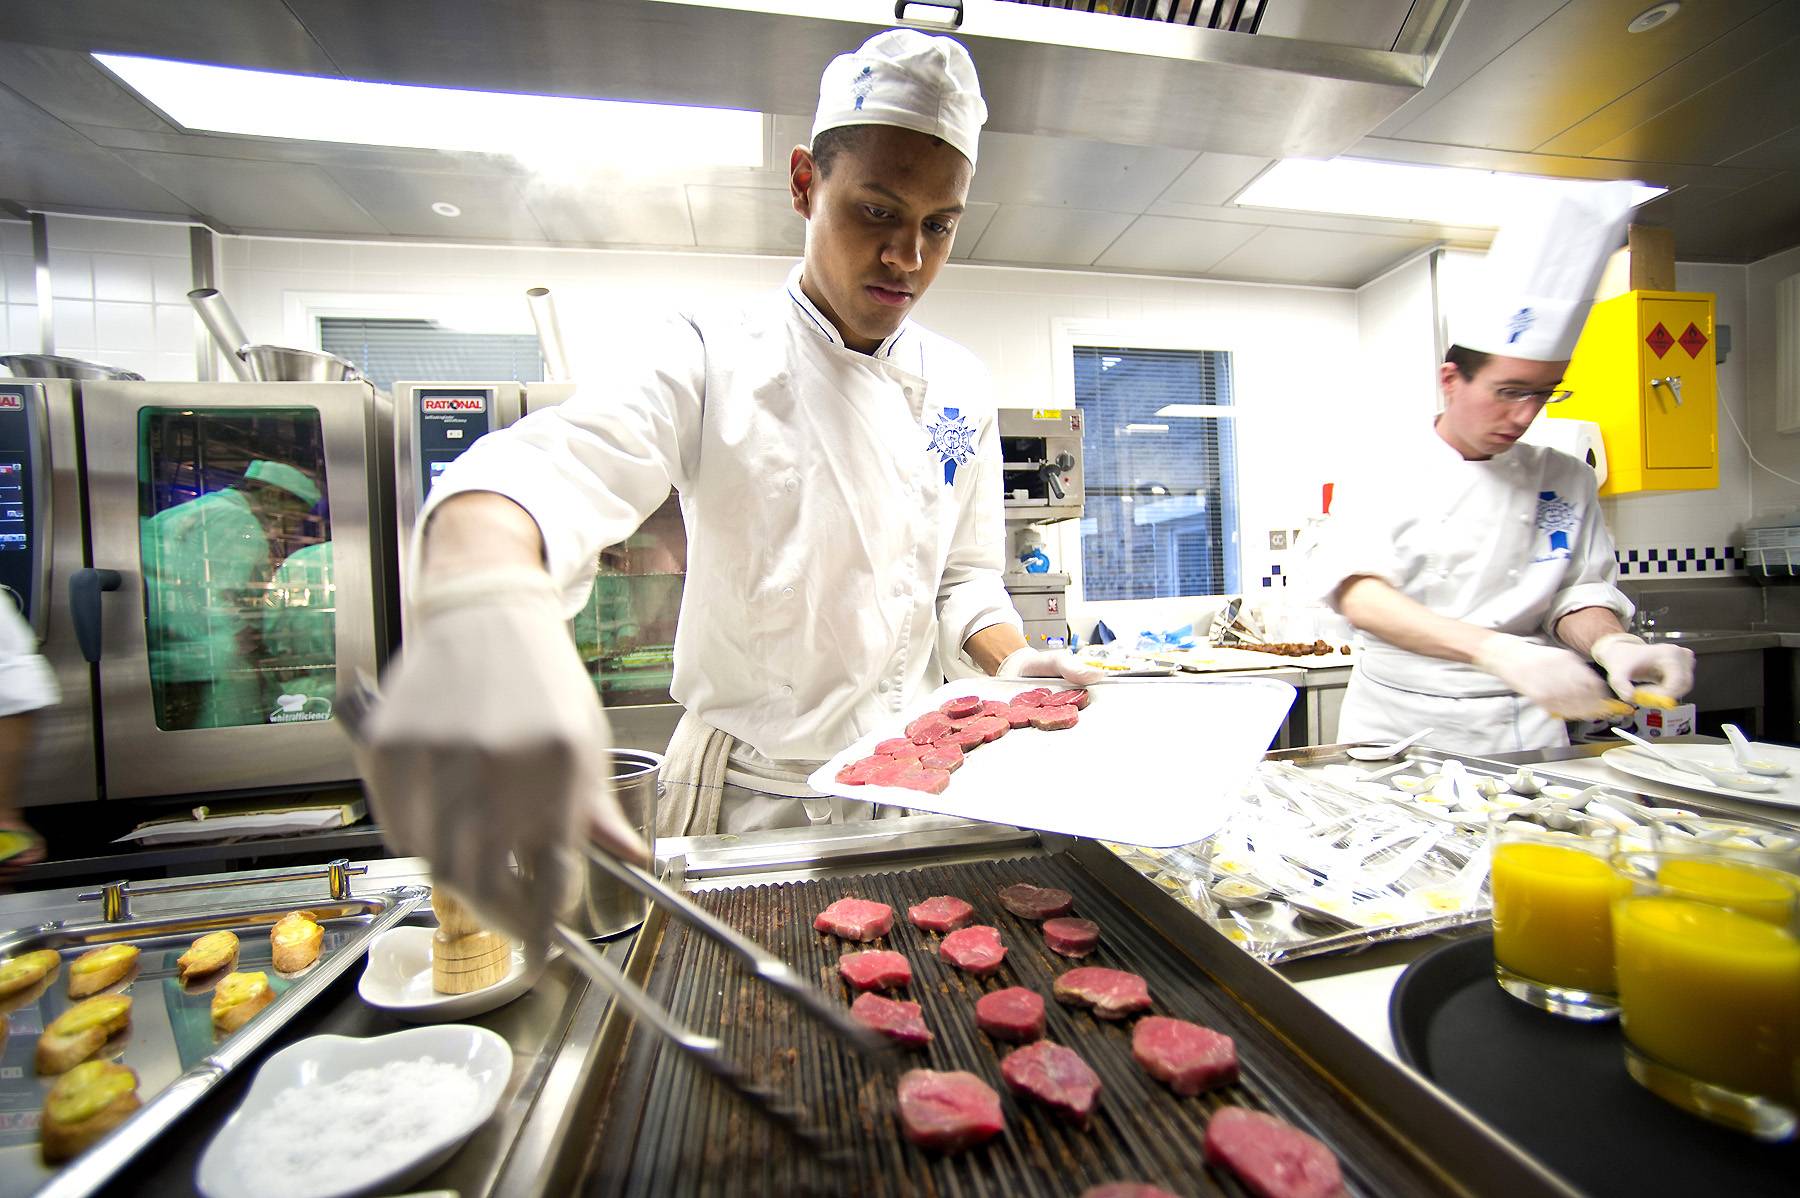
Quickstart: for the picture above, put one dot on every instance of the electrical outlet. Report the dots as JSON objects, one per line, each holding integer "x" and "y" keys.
{"x": 1278, "y": 538}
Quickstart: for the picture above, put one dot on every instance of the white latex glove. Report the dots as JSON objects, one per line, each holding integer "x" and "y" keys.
{"x": 489, "y": 744}
{"x": 1554, "y": 679}
{"x": 1048, "y": 663}
{"x": 1628, "y": 661}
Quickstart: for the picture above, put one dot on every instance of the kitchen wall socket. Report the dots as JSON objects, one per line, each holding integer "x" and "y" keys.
{"x": 1278, "y": 538}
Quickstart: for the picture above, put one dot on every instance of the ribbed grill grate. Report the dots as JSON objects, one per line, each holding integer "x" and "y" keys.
{"x": 668, "y": 1130}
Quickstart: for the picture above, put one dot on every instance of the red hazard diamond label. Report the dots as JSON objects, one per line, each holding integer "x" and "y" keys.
{"x": 1659, "y": 339}
{"x": 1692, "y": 340}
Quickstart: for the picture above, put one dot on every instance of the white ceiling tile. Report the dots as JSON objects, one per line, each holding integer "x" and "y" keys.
{"x": 1314, "y": 256}
{"x": 1063, "y": 172}
{"x": 249, "y": 195}
{"x": 493, "y": 207}
{"x": 1048, "y": 236}
{"x": 1173, "y": 246}
{"x": 1214, "y": 179}
{"x": 971, "y": 226}
{"x": 746, "y": 218}
{"x": 612, "y": 213}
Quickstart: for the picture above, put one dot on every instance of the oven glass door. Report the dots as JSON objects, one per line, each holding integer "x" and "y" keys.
{"x": 626, "y": 633}
{"x": 240, "y": 612}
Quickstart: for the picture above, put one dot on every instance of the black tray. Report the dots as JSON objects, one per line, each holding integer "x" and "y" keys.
{"x": 1559, "y": 1089}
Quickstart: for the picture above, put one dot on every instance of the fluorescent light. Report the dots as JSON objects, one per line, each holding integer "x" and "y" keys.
{"x": 1200, "y": 410}
{"x": 217, "y": 99}
{"x": 1146, "y": 428}
{"x": 1447, "y": 195}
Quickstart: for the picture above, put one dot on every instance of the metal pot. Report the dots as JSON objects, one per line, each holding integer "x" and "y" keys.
{"x": 280, "y": 364}
{"x": 49, "y": 366}
{"x": 608, "y": 906}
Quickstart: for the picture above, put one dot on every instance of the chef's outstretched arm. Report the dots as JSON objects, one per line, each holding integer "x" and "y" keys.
{"x": 1556, "y": 680}
{"x": 1628, "y": 661}
{"x": 488, "y": 743}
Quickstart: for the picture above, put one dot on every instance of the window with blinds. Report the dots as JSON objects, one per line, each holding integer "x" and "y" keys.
{"x": 386, "y": 350}
{"x": 1160, "y": 448}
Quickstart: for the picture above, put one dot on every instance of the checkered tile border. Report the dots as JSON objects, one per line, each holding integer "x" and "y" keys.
{"x": 1633, "y": 563}
{"x": 1679, "y": 559}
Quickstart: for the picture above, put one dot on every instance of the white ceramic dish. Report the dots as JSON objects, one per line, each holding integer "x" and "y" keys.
{"x": 1640, "y": 764}
{"x": 321, "y": 1060}
{"x": 1151, "y": 761}
{"x": 397, "y": 978}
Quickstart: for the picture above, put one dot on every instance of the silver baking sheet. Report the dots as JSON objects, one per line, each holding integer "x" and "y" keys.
{"x": 171, "y": 1043}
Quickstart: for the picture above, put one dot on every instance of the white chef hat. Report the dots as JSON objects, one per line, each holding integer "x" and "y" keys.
{"x": 1538, "y": 281}
{"x": 905, "y": 78}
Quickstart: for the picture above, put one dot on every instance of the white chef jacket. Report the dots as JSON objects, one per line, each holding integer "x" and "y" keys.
{"x": 843, "y": 509}
{"x": 1513, "y": 543}
{"x": 26, "y": 680}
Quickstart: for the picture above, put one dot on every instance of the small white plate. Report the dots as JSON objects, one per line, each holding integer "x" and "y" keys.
{"x": 1639, "y": 764}
{"x": 321, "y": 1060}
{"x": 397, "y": 979}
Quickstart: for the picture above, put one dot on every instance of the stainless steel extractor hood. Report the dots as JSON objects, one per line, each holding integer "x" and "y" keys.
{"x": 1090, "y": 75}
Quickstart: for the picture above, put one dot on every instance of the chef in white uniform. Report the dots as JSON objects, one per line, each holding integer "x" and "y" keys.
{"x": 1479, "y": 569}
{"x": 838, "y": 471}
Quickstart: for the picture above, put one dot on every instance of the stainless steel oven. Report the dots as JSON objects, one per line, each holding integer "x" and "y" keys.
{"x": 42, "y": 555}
{"x": 242, "y": 539}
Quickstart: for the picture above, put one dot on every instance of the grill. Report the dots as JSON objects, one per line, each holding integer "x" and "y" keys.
{"x": 666, "y": 1129}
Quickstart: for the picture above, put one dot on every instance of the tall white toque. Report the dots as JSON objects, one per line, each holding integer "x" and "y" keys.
{"x": 1538, "y": 281}
{"x": 909, "y": 79}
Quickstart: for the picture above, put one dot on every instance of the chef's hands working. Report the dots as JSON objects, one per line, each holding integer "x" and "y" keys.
{"x": 489, "y": 747}
{"x": 1665, "y": 670}
{"x": 1554, "y": 679}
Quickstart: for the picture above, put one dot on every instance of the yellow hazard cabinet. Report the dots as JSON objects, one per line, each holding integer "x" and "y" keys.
{"x": 1644, "y": 371}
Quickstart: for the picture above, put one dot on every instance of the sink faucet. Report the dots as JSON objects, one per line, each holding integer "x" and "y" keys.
{"x": 1643, "y": 621}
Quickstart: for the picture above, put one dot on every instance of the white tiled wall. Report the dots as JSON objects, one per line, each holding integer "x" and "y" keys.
{"x": 18, "y": 290}
{"x": 1772, "y": 498}
{"x": 1323, "y": 376}
{"x": 119, "y": 294}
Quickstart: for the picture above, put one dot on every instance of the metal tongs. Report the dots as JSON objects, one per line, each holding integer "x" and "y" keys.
{"x": 708, "y": 1051}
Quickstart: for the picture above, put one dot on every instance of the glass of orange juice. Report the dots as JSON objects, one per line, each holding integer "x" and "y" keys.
{"x": 1553, "y": 894}
{"x": 1707, "y": 942}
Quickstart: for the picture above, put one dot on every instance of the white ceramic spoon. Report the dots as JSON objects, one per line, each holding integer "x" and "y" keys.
{"x": 1747, "y": 760}
{"x": 1377, "y": 753}
{"x": 1729, "y": 779}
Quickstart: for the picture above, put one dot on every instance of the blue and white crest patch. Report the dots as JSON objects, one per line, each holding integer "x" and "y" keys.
{"x": 862, "y": 85}
{"x": 1556, "y": 519}
{"x": 953, "y": 440}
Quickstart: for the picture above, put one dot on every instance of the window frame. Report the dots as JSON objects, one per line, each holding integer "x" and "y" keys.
{"x": 1068, "y": 334}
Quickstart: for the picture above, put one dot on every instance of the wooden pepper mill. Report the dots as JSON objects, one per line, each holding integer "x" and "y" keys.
{"x": 464, "y": 956}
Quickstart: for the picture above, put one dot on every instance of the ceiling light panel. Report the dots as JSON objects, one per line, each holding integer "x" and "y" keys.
{"x": 641, "y": 137}
{"x": 1447, "y": 195}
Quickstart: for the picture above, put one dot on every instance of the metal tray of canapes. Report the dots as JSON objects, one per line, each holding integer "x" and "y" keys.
{"x": 171, "y": 1043}
{"x": 1326, "y": 854}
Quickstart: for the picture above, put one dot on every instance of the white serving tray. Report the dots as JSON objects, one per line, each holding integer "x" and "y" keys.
{"x": 1157, "y": 762}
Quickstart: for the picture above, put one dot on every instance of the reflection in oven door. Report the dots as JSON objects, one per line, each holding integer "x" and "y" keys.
{"x": 247, "y": 526}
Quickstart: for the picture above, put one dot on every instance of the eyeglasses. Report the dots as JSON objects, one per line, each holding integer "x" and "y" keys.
{"x": 1520, "y": 395}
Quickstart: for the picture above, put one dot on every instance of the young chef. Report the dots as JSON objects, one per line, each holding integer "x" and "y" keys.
{"x": 1479, "y": 569}
{"x": 838, "y": 471}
